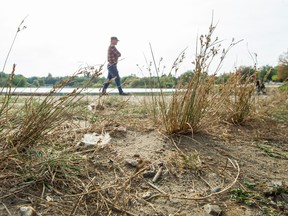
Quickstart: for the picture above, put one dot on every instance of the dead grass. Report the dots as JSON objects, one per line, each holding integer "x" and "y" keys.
{"x": 42, "y": 166}
{"x": 238, "y": 99}
{"x": 184, "y": 110}
{"x": 55, "y": 177}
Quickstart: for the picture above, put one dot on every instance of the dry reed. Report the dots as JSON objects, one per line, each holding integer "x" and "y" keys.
{"x": 183, "y": 111}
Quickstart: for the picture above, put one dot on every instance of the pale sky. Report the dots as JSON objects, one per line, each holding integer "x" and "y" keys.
{"x": 65, "y": 34}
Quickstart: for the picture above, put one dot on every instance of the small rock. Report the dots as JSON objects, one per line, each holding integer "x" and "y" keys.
{"x": 277, "y": 183}
{"x": 146, "y": 195}
{"x": 213, "y": 210}
{"x": 89, "y": 107}
{"x": 49, "y": 199}
{"x": 99, "y": 107}
{"x": 136, "y": 155}
{"x": 149, "y": 174}
{"x": 131, "y": 162}
{"x": 27, "y": 211}
{"x": 160, "y": 151}
{"x": 242, "y": 164}
{"x": 121, "y": 129}
{"x": 272, "y": 187}
{"x": 215, "y": 189}
{"x": 144, "y": 187}
{"x": 285, "y": 197}
{"x": 260, "y": 154}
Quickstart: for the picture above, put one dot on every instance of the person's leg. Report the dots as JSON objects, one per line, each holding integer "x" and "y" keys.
{"x": 115, "y": 73}
{"x": 107, "y": 82}
{"x": 118, "y": 83}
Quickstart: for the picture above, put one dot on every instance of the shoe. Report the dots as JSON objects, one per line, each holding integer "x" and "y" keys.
{"x": 103, "y": 93}
{"x": 124, "y": 94}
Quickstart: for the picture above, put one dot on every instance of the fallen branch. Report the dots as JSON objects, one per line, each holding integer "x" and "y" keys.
{"x": 7, "y": 210}
{"x": 157, "y": 176}
{"x": 155, "y": 187}
{"x": 216, "y": 193}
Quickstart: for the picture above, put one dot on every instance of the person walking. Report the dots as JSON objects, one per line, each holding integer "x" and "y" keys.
{"x": 113, "y": 73}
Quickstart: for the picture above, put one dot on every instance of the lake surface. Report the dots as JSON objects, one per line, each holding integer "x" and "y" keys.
{"x": 95, "y": 91}
{"x": 46, "y": 90}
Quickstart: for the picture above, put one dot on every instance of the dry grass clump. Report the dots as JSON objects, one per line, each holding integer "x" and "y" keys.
{"x": 276, "y": 107}
{"x": 27, "y": 158}
{"x": 58, "y": 179}
{"x": 41, "y": 166}
{"x": 184, "y": 110}
{"x": 238, "y": 99}
{"x": 5, "y": 100}
{"x": 30, "y": 123}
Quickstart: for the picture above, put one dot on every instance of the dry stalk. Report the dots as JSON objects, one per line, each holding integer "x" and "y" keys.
{"x": 157, "y": 188}
{"x": 189, "y": 104}
{"x": 234, "y": 164}
{"x": 7, "y": 210}
{"x": 148, "y": 203}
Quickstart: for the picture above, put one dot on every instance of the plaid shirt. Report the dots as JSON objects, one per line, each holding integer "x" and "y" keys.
{"x": 113, "y": 55}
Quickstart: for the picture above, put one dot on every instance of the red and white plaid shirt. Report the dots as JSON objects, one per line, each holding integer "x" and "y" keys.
{"x": 113, "y": 55}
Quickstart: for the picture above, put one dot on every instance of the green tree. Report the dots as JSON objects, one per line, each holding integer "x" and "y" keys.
{"x": 98, "y": 82}
{"x": 19, "y": 81}
{"x": 30, "y": 80}
{"x": 22, "y": 83}
{"x": 282, "y": 73}
{"x": 283, "y": 59}
{"x": 283, "y": 67}
{"x": 246, "y": 72}
{"x": 275, "y": 78}
{"x": 50, "y": 80}
{"x": 266, "y": 73}
{"x": 167, "y": 81}
{"x": 3, "y": 79}
{"x": 137, "y": 83}
{"x": 185, "y": 78}
{"x": 41, "y": 81}
{"x": 222, "y": 78}
{"x": 36, "y": 83}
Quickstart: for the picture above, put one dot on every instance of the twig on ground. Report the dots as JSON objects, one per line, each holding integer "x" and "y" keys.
{"x": 7, "y": 210}
{"x": 205, "y": 181}
{"x": 157, "y": 188}
{"x": 225, "y": 167}
{"x": 146, "y": 202}
{"x": 216, "y": 193}
{"x": 158, "y": 175}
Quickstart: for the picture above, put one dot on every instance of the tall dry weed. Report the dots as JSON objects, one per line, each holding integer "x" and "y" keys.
{"x": 238, "y": 98}
{"x": 183, "y": 111}
{"x": 27, "y": 124}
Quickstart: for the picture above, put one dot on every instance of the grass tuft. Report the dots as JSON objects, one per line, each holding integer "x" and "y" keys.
{"x": 183, "y": 111}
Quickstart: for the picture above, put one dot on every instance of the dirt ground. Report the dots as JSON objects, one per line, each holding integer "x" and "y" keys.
{"x": 260, "y": 147}
{"x": 236, "y": 167}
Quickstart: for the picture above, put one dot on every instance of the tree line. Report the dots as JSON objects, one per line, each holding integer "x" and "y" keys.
{"x": 265, "y": 74}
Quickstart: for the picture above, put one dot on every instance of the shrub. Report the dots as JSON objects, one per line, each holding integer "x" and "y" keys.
{"x": 183, "y": 111}
{"x": 237, "y": 98}
{"x": 284, "y": 87}
{"x": 26, "y": 125}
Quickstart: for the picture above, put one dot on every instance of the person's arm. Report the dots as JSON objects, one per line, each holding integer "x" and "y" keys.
{"x": 113, "y": 55}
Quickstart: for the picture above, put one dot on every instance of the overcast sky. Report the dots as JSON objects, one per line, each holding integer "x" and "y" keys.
{"x": 65, "y": 34}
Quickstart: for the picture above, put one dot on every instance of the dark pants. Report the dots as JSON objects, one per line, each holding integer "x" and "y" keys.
{"x": 113, "y": 72}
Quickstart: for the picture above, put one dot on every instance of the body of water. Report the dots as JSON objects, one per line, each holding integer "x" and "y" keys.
{"x": 46, "y": 90}
{"x": 95, "y": 91}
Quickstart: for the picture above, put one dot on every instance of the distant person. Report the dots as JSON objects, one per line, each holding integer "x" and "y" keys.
{"x": 260, "y": 87}
{"x": 113, "y": 55}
